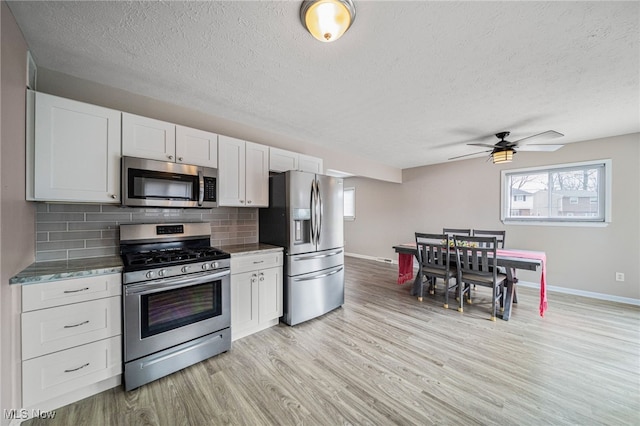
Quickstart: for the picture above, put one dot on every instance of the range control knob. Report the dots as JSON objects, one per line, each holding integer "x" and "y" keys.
{"x": 214, "y": 265}
{"x": 162, "y": 272}
{"x": 149, "y": 274}
{"x": 205, "y": 266}
{"x": 185, "y": 269}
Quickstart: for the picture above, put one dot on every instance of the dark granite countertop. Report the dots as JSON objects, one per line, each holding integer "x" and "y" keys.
{"x": 62, "y": 269}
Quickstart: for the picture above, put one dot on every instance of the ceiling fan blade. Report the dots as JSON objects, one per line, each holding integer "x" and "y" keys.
{"x": 468, "y": 155}
{"x": 540, "y": 148}
{"x": 482, "y": 144}
{"x": 549, "y": 134}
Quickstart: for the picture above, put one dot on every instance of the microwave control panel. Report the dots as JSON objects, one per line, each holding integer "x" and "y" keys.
{"x": 209, "y": 188}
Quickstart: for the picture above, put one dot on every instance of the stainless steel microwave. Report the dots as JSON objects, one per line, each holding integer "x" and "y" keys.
{"x": 152, "y": 183}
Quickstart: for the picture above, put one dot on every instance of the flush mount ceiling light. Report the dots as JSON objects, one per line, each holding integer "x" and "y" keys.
{"x": 327, "y": 20}
{"x": 500, "y": 156}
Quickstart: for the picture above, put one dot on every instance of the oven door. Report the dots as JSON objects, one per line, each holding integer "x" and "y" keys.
{"x": 163, "y": 313}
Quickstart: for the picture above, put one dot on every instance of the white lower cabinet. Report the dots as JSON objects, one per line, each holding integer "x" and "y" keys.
{"x": 71, "y": 339}
{"x": 256, "y": 292}
{"x": 65, "y": 371}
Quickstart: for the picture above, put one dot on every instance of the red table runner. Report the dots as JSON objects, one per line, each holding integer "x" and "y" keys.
{"x": 405, "y": 267}
{"x": 532, "y": 255}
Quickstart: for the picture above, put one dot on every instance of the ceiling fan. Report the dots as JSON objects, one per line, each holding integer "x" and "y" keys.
{"x": 502, "y": 151}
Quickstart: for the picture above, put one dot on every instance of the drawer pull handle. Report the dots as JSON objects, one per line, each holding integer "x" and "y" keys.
{"x": 75, "y": 291}
{"x": 76, "y": 369}
{"x": 256, "y": 262}
{"x": 77, "y": 325}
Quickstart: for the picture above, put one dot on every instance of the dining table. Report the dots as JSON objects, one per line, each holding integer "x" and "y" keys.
{"x": 510, "y": 259}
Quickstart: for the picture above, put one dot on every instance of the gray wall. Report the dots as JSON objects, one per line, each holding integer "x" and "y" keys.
{"x": 466, "y": 194}
{"x": 72, "y": 231}
{"x": 17, "y": 238}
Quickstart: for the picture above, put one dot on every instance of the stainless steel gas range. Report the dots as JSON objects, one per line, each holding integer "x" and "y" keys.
{"x": 176, "y": 304}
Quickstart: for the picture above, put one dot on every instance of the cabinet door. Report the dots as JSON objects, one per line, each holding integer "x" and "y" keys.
{"x": 231, "y": 171}
{"x": 281, "y": 160}
{"x": 257, "y": 175}
{"x": 76, "y": 151}
{"x": 197, "y": 147}
{"x": 244, "y": 303}
{"x": 270, "y": 294}
{"x": 145, "y": 137}
{"x": 310, "y": 164}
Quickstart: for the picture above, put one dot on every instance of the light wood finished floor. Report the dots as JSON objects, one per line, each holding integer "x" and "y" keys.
{"x": 385, "y": 358}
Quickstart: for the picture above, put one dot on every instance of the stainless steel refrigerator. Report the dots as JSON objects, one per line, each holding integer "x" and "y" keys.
{"x": 305, "y": 216}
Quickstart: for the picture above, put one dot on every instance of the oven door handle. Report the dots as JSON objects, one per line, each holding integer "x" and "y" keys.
{"x": 172, "y": 283}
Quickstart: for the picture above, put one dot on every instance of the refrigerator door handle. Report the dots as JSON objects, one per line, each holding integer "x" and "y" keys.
{"x": 312, "y": 203}
{"x": 315, "y": 277}
{"x": 320, "y": 212}
{"x": 319, "y": 256}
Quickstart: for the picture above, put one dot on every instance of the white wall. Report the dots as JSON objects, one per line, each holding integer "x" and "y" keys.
{"x": 17, "y": 217}
{"x": 466, "y": 194}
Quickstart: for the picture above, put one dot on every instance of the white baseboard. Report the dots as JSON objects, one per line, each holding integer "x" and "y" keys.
{"x": 551, "y": 288}
{"x": 590, "y": 294}
{"x": 377, "y": 259}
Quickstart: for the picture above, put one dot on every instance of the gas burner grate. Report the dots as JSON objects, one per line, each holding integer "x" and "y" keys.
{"x": 172, "y": 256}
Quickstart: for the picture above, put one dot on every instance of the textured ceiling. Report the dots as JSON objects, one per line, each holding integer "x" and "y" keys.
{"x": 409, "y": 84}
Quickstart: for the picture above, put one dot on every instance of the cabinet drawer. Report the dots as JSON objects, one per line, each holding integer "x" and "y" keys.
{"x": 54, "y": 329}
{"x": 246, "y": 263}
{"x": 63, "y": 292}
{"x": 53, "y": 375}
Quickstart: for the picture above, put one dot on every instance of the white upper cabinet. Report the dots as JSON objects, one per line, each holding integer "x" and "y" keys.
{"x": 281, "y": 160}
{"x": 243, "y": 173}
{"x": 73, "y": 151}
{"x": 145, "y": 137}
{"x": 197, "y": 147}
{"x": 148, "y": 138}
{"x": 307, "y": 163}
{"x": 231, "y": 171}
{"x": 257, "y": 175}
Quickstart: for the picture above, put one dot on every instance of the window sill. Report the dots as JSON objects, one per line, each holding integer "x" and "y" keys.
{"x": 550, "y": 223}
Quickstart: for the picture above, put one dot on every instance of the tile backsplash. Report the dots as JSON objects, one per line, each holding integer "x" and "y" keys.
{"x": 73, "y": 231}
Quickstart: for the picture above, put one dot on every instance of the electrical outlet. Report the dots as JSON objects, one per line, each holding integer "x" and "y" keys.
{"x": 619, "y": 276}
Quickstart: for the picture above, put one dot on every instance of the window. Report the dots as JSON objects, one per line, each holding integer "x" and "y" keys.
{"x": 350, "y": 204}
{"x": 566, "y": 193}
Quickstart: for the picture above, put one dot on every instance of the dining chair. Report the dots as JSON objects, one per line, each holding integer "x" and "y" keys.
{"x": 434, "y": 261}
{"x": 500, "y": 236}
{"x": 455, "y": 231}
{"x": 476, "y": 263}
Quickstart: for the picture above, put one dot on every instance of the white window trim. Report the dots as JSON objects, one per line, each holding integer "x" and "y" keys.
{"x": 504, "y": 198}
{"x": 352, "y": 189}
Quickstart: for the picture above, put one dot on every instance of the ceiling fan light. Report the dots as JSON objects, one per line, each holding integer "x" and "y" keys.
{"x": 327, "y": 20}
{"x": 502, "y": 156}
